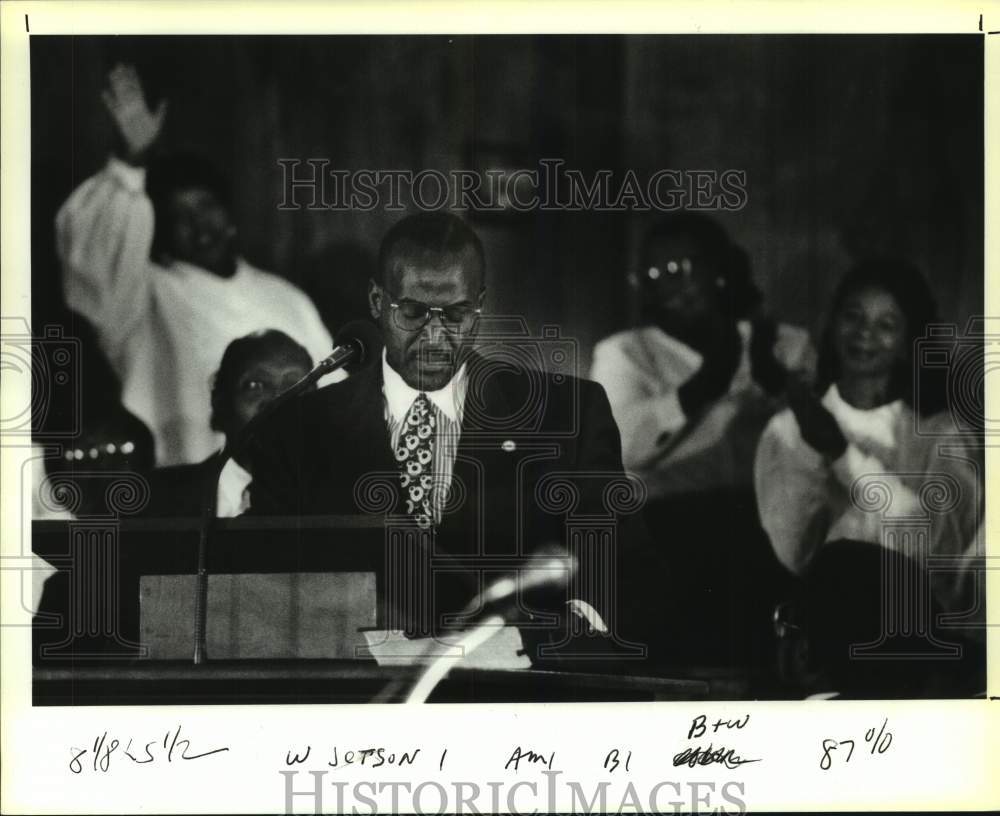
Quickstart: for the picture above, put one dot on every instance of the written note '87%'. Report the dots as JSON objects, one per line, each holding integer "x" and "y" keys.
{"x": 877, "y": 742}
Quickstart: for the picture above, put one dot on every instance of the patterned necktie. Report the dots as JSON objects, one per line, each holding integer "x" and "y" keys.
{"x": 415, "y": 458}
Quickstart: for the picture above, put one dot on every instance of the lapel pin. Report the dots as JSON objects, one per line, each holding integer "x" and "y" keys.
{"x": 508, "y": 446}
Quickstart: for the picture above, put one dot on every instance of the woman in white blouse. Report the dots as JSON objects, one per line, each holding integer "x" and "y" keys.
{"x": 855, "y": 458}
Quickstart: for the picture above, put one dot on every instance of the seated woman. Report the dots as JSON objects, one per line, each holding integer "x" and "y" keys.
{"x": 845, "y": 460}
{"x": 692, "y": 387}
{"x": 254, "y": 370}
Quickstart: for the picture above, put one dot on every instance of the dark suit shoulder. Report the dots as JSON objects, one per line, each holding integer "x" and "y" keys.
{"x": 514, "y": 377}
{"x": 323, "y": 407}
{"x": 592, "y": 389}
{"x": 330, "y": 396}
{"x": 178, "y": 490}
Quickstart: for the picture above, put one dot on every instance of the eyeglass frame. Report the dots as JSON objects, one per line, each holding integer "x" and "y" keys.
{"x": 652, "y": 275}
{"x": 395, "y": 305}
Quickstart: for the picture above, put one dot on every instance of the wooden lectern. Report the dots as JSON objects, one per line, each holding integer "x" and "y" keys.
{"x": 289, "y": 601}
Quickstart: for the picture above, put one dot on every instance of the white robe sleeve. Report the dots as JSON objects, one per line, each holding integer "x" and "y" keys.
{"x": 646, "y": 421}
{"x": 104, "y": 232}
{"x": 793, "y": 492}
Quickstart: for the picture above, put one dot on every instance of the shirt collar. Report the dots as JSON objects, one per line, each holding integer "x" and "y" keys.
{"x": 657, "y": 336}
{"x": 876, "y": 425}
{"x": 399, "y": 396}
{"x": 836, "y": 403}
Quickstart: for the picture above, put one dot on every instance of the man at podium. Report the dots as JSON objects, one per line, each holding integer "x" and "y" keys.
{"x": 477, "y": 456}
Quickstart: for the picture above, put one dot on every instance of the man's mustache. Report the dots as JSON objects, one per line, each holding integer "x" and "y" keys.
{"x": 432, "y": 353}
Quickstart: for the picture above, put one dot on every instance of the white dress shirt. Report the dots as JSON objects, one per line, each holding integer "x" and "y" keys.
{"x": 232, "y": 497}
{"x": 164, "y": 329}
{"x": 448, "y": 404}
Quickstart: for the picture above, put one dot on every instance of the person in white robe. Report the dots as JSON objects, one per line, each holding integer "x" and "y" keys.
{"x": 149, "y": 256}
{"x": 692, "y": 387}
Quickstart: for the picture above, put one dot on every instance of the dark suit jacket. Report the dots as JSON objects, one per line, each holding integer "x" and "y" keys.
{"x": 538, "y": 454}
{"x": 183, "y": 491}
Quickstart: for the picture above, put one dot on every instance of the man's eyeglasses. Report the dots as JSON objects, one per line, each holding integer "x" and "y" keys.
{"x": 412, "y": 315}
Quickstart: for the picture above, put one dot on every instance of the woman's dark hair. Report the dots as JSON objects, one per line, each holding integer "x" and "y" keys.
{"x": 740, "y": 296}
{"x": 903, "y": 281}
{"x": 172, "y": 172}
{"x": 235, "y": 359}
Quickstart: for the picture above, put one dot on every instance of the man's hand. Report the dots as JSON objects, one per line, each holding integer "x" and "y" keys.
{"x": 139, "y": 126}
{"x": 767, "y": 372}
{"x": 720, "y": 359}
{"x": 817, "y": 425}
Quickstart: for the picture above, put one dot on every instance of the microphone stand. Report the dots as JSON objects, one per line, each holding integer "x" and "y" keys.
{"x": 555, "y": 570}
{"x": 440, "y": 666}
{"x": 339, "y": 358}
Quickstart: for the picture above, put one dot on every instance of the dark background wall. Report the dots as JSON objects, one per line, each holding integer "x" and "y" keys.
{"x": 851, "y": 145}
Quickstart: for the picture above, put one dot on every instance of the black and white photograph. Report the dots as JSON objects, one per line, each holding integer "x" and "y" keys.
{"x": 481, "y": 368}
{"x": 643, "y": 355}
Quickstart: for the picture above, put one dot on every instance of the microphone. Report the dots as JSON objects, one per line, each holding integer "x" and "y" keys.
{"x": 354, "y": 346}
{"x": 493, "y": 608}
{"x": 549, "y": 567}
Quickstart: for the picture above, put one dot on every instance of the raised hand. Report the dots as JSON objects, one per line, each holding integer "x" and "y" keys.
{"x": 817, "y": 425}
{"x": 720, "y": 359}
{"x": 138, "y": 125}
